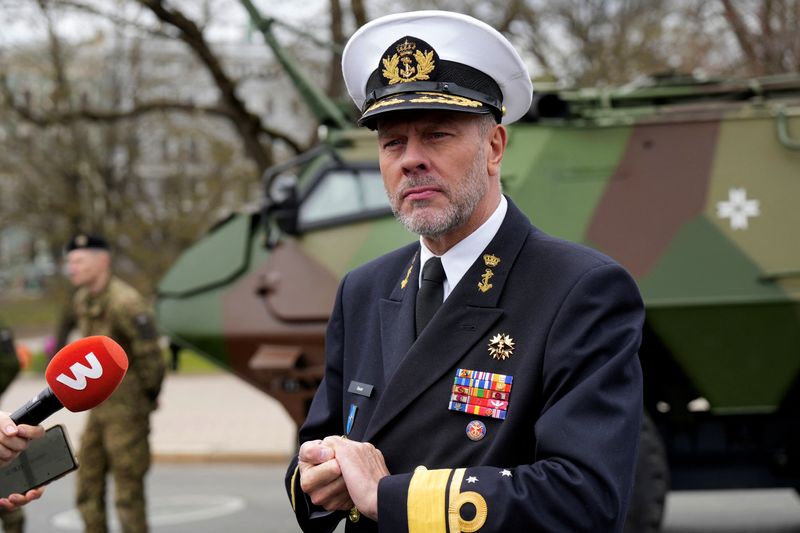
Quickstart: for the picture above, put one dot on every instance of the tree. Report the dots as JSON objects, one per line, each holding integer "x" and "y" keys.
{"x": 92, "y": 137}
{"x": 768, "y": 34}
{"x": 87, "y": 147}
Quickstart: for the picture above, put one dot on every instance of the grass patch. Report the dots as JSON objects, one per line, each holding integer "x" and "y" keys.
{"x": 37, "y": 316}
{"x": 28, "y": 316}
{"x": 189, "y": 362}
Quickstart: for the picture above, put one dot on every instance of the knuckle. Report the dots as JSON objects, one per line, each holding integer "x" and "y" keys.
{"x": 307, "y": 486}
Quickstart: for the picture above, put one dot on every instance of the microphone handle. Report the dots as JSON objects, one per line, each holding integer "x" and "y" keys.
{"x": 37, "y": 409}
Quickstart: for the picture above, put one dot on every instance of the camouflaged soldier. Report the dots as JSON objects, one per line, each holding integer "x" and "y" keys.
{"x": 116, "y": 435}
{"x": 13, "y": 521}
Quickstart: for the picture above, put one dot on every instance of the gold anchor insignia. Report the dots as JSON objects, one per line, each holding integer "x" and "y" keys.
{"x": 484, "y": 285}
{"x": 408, "y": 55}
{"x": 491, "y": 260}
{"x": 81, "y": 240}
{"x": 501, "y": 346}
{"x": 404, "y": 282}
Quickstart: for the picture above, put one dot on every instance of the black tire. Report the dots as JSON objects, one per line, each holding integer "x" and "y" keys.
{"x": 651, "y": 484}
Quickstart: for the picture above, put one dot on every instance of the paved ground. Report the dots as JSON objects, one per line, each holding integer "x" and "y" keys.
{"x": 200, "y": 417}
{"x": 205, "y": 420}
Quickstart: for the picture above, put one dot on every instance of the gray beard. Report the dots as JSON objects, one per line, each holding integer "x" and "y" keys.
{"x": 463, "y": 201}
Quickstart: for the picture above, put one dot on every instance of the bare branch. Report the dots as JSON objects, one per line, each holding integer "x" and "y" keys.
{"x": 112, "y": 17}
{"x": 247, "y": 124}
{"x": 512, "y": 12}
{"x": 743, "y": 36}
{"x": 335, "y": 79}
{"x": 94, "y": 115}
{"x": 359, "y": 12}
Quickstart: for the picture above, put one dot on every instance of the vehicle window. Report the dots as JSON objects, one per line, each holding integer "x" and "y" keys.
{"x": 343, "y": 193}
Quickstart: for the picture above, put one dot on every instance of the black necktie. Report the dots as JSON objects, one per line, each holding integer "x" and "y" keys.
{"x": 431, "y": 292}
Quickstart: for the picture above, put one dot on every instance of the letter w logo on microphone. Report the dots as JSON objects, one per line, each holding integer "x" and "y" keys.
{"x": 81, "y": 372}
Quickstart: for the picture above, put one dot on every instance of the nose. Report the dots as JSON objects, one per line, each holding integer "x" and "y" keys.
{"x": 415, "y": 157}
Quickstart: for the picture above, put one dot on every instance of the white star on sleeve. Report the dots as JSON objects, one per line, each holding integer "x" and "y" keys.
{"x": 506, "y": 473}
{"x": 472, "y": 479}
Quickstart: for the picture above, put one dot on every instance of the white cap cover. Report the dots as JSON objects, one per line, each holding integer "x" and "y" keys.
{"x": 435, "y": 60}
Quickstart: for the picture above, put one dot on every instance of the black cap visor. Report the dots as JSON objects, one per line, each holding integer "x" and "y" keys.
{"x": 423, "y": 100}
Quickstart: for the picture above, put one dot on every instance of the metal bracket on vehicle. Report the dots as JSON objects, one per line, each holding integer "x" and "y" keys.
{"x": 782, "y": 127}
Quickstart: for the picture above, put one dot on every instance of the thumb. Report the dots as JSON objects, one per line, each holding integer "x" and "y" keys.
{"x": 325, "y": 454}
{"x": 10, "y": 428}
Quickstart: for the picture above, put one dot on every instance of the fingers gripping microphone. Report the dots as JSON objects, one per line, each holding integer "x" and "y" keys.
{"x": 80, "y": 376}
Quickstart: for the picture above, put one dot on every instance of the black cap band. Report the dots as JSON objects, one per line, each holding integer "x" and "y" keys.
{"x": 434, "y": 87}
{"x": 410, "y": 67}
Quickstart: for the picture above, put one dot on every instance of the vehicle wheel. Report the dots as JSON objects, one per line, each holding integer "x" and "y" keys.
{"x": 651, "y": 483}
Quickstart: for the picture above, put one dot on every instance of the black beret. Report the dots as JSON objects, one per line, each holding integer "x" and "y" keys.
{"x": 83, "y": 241}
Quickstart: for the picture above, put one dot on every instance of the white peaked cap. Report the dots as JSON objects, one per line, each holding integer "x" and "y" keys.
{"x": 435, "y": 60}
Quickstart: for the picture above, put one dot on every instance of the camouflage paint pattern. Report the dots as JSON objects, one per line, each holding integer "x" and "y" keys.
{"x": 115, "y": 439}
{"x": 690, "y": 188}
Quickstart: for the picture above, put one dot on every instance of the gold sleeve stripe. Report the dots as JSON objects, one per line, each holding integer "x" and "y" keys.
{"x": 426, "y": 501}
{"x": 457, "y": 500}
{"x": 294, "y": 478}
{"x": 454, "y": 513}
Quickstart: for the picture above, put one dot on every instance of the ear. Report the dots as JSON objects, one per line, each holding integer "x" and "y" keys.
{"x": 104, "y": 258}
{"x": 497, "y": 138}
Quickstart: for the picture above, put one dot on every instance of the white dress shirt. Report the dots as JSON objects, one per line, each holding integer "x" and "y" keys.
{"x": 457, "y": 260}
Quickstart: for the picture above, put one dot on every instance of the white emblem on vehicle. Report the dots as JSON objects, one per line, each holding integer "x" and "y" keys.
{"x": 738, "y": 208}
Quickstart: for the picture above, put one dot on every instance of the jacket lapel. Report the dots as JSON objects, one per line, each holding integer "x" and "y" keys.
{"x": 397, "y": 318}
{"x": 463, "y": 320}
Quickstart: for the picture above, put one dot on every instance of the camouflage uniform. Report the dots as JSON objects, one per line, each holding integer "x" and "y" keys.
{"x": 116, "y": 434}
{"x": 13, "y": 521}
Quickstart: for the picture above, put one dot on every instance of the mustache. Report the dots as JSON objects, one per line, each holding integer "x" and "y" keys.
{"x": 420, "y": 181}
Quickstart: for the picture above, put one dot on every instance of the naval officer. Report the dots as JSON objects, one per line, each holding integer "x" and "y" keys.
{"x": 485, "y": 378}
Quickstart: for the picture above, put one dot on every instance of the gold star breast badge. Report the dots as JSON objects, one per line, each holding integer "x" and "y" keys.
{"x": 501, "y": 346}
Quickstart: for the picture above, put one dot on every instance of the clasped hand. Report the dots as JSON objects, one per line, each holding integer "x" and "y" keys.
{"x": 338, "y": 473}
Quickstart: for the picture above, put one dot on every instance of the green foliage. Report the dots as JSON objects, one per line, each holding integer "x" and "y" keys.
{"x": 192, "y": 363}
{"x": 29, "y": 316}
{"x": 189, "y": 363}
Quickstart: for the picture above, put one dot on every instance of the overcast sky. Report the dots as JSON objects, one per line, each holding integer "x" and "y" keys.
{"x": 21, "y": 21}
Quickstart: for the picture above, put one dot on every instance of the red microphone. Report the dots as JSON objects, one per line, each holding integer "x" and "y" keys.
{"x": 80, "y": 376}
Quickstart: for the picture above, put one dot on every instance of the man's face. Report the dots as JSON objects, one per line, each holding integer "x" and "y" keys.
{"x": 84, "y": 267}
{"x": 434, "y": 167}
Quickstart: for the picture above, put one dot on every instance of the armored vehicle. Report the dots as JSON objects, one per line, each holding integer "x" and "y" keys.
{"x": 691, "y": 185}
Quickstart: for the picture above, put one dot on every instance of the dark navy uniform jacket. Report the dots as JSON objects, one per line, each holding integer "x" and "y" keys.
{"x": 561, "y": 460}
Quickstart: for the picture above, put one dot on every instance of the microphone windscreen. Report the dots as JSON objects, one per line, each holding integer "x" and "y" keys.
{"x": 85, "y": 372}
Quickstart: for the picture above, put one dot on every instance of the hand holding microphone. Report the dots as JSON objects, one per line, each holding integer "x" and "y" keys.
{"x": 80, "y": 376}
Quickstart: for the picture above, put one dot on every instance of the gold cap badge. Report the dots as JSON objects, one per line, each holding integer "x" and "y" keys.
{"x": 413, "y": 60}
{"x": 501, "y": 346}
